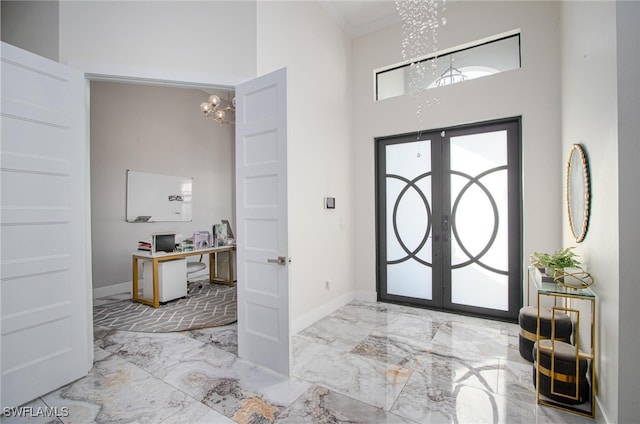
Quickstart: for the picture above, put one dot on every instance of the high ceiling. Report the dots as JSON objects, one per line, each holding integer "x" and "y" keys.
{"x": 360, "y": 17}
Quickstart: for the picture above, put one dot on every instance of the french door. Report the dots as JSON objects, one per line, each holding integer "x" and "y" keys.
{"x": 45, "y": 279}
{"x": 264, "y": 334}
{"x": 449, "y": 219}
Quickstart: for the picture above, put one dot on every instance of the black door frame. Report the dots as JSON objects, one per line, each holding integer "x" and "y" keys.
{"x": 441, "y": 295}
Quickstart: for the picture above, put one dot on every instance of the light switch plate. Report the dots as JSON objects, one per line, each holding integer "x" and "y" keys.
{"x": 330, "y": 202}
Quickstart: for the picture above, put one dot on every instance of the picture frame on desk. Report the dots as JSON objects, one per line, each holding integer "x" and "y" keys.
{"x": 220, "y": 236}
{"x": 230, "y": 235}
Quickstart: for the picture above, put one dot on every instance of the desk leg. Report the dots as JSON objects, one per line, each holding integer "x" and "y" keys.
{"x": 230, "y": 274}
{"x": 213, "y": 277}
{"x": 156, "y": 294}
{"x": 135, "y": 280}
{"x": 212, "y": 272}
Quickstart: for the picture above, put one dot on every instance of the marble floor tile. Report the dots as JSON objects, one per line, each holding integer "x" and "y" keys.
{"x": 117, "y": 391}
{"x": 339, "y": 331}
{"x": 411, "y": 329}
{"x": 367, "y": 362}
{"x": 370, "y": 315}
{"x": 236, "y": 388}
{"x": 474, "y": 339}
{"x": 321, "y": 405}
{"x": 197, "y": 413}
{"x": 385, "y": 348}
{"x": 426, "y": 398}
{"x": 367, "y": 380}
{"x": 233, "y": 387}
{"x": 223, "y": 337}
{"x": 495, "y": 375}
{"x": 156, "y": 352}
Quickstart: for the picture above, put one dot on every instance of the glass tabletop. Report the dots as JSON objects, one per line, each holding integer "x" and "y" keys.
{"x": 544, "y": 283}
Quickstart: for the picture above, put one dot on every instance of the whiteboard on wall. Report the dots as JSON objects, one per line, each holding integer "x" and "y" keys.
{"x": 157, "y": 197}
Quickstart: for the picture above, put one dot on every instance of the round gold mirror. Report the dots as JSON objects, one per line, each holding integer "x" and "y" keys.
{"x": 578, "y": 192}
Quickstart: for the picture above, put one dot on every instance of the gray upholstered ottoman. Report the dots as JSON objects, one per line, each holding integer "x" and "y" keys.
{"x": 563, "y": 373}
{"x": 528, "y": 320}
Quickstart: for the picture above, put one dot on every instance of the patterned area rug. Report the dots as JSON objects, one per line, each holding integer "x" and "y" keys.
{"x": 206, "y": 305}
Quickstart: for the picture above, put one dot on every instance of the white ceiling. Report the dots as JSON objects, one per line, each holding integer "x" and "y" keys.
{"x": 359, "y": 17}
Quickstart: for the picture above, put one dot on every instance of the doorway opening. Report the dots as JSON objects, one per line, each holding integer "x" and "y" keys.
{"x": 449, "y": 219}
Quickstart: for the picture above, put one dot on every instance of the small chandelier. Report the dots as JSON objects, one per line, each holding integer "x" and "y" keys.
{"x": 450, "y": 76}
{"x": 214, "y": 109}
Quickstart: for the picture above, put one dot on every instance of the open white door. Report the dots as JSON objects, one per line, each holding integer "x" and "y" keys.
{"x": 261, "y": 208}
{"x": 46, "y": 323}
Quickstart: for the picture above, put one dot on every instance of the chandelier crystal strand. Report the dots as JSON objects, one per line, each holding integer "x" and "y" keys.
{"x": 420, "y": 22}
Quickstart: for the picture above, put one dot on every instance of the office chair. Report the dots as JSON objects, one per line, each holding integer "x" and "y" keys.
{"x": 193, "y": 267}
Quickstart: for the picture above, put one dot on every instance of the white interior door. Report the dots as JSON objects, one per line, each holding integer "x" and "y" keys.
{"x": 261, "y": 208}
{"x": 46, "y": 323}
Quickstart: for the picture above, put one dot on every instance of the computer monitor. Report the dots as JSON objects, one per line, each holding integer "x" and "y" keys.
{"x": 163, "y": 242}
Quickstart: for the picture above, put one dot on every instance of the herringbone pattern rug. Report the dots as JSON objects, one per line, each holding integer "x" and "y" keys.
{"x": 206, "y": 305}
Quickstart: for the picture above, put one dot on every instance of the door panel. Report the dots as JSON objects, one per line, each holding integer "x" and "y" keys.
{"x": 479, "y": 220}
{"x": 409, "y": 219}
{"x": 45, "y": 279}
{"x": 261, "y": 207}
{"x": 449, "y": 219}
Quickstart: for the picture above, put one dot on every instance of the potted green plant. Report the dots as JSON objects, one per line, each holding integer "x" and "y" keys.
{"x": 559, "y": 260}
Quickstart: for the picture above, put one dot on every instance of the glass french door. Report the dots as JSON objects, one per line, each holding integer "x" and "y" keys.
{"x": 448, "y": 219}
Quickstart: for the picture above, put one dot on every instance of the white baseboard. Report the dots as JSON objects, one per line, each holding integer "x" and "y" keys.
{"x": 113, "y": 289}
{"x": 317, "y": 314}
{"x": 603, "y": 411}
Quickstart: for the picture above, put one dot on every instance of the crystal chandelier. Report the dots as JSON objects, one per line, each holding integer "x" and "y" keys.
{"x": 215, "y": 109}
{"x": 421, "y": 20}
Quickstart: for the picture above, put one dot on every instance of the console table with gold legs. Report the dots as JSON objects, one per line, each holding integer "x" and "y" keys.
{"x": 568, "y": 370}
{"x": 156, "y": 258}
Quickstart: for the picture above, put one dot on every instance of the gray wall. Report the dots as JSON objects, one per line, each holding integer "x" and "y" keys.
{"x": 628, "y": 34}
{"x": 159, "y": 130}
{"x": 32, "y": 26}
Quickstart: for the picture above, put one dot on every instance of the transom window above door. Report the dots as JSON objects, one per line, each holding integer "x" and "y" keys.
{"x": 480, "y": 59}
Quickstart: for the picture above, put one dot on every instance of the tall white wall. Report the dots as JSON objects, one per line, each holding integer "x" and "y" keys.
{"x": 317, "y": 54}
{"x": 158, "y": 130}
{"x": 590, "y": 117}
{"x": 532, "y": 92}
{"x": 628, "y": 34}
{"x": 211, "y": 41}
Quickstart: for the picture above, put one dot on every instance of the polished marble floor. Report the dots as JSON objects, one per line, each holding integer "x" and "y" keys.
{"x": 365, "y": 363}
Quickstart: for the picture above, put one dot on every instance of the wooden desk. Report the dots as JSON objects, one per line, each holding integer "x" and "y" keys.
{"x": 161, "y": 257}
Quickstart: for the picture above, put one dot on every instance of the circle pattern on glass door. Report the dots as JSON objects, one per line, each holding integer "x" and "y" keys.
{"x": 475, "y": 182}
{"x": 411, "y": 186}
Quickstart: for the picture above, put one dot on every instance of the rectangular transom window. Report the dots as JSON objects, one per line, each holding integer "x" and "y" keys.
{"x": 457, "y": 65}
